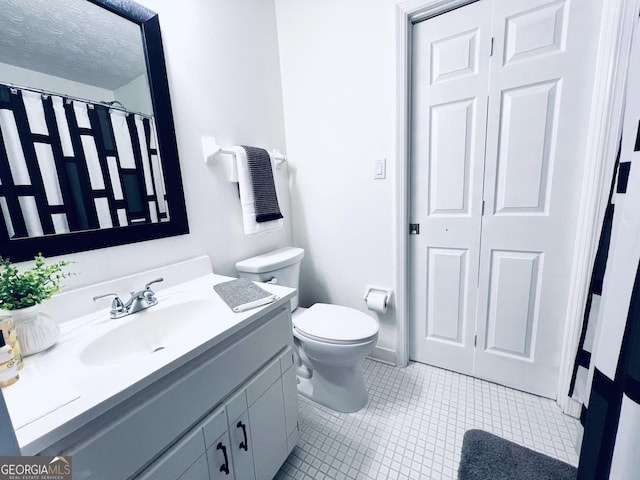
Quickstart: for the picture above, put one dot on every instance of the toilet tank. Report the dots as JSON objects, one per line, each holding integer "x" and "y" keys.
{"x": 281, "y": 267}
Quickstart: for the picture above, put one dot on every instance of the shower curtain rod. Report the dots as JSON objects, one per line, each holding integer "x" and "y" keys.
{"x": 41, "y": 91}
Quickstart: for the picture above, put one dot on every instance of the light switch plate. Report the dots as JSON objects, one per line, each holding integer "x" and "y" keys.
{"x": 380, "y": 169}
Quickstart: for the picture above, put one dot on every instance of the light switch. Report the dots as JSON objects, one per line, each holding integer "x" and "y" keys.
{"x": 380, "y": 169}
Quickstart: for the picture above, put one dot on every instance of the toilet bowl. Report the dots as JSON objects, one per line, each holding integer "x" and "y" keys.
{"x": 330, "y": 341}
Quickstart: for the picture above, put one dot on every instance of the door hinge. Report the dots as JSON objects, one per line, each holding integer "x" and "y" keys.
{"x": 482, "y": 212}
{"x": 414, "y": 229}
{"x": 475, "y": 341}
{"x": 491, "y": 48}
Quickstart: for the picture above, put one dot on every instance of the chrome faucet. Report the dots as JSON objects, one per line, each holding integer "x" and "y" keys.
{"x": 140, "y": 300}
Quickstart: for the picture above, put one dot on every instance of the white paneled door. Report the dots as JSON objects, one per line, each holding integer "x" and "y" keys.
{"x": 501, "y": 93}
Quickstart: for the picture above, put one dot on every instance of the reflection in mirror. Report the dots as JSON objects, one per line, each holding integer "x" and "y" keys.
{"x": 87, "y": 152}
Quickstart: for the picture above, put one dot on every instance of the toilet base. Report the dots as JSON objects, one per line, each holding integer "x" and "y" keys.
{"x": 346, "y": 392}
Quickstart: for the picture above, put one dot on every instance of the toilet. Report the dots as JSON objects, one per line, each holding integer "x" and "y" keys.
{"x": 331, "y": 341}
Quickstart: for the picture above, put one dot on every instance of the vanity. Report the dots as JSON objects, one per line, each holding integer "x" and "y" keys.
{"x": 185, "y": 389}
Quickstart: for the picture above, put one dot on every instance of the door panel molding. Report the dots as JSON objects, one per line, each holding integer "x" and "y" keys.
{"x": 527, "y": 166}
{"x": 448, "y": 120}
{"x": 547, "y": 29}
{"x": 447, "y": 284}
{"x": 514, "y": 297}
{"x": 448, "y": 63}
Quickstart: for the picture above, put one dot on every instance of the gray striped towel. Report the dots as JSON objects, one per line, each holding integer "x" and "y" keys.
{"x": 264, "y": 188}
{"x": 242, "y": 294}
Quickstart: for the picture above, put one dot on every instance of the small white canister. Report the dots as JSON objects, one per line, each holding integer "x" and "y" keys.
{"x": 8, "y": 367}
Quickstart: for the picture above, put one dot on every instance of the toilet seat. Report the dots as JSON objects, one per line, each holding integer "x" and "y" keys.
{"x": 335, "y": 324}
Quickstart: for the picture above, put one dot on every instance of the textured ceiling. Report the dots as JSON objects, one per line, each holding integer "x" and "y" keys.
{"x": 72, "y": 39}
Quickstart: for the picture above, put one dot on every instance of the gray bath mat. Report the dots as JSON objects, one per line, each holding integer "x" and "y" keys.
{"x": 488, "y": 457}
{"x": 242, "y": 294}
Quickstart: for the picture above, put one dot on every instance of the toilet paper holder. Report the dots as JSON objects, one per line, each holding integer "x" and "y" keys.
{"x": 370, "y": 289}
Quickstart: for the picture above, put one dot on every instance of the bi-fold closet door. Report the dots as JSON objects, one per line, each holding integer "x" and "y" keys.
{"x": 501, "y": 95}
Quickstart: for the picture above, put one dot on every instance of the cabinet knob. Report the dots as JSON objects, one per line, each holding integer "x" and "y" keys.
{"x": 225, "y": 466}
{"x": 244, "y": 445}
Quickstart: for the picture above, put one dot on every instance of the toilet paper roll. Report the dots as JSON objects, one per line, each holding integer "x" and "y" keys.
{"x": 377, "y": 301}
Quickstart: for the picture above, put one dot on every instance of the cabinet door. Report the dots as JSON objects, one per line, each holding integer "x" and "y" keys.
{"x": 241, "y": 447}
{"x": 216, "y": 441}
{"x": 268, "y": 435}
{"x": 267, "y": 421}
{"x": 219, "y": 458}
{"x": 290, "y": 392}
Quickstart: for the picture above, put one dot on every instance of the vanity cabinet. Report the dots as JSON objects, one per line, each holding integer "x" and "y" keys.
{"x": 229, "y": 413}
{"x": 247, "y": 438}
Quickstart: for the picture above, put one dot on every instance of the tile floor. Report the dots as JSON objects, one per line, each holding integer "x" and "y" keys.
{"x": 413, "y": 426}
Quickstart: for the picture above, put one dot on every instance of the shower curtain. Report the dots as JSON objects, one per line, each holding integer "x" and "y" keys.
{"x": 69, "y": 165}
{"x": 607, "y": 370}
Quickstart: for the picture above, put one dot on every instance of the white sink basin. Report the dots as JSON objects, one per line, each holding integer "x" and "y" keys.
{"x": 157, "y": 328}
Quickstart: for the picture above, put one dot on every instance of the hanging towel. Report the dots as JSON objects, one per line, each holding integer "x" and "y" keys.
{"x": 247, "y": 197}
{"x": 264, "y": 188}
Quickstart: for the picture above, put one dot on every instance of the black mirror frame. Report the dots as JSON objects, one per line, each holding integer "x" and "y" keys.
{"x": 26, "y": 249}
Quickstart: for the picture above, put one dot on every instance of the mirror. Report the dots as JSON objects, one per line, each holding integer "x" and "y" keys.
{"x": 88, "y": 154}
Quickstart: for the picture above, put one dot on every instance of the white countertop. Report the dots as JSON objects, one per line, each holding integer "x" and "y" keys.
{"x": 57, "y": 393}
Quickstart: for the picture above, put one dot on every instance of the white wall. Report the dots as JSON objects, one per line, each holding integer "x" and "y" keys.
{"x": 135, "y": 95}
{"x": 224, "y": 77}
{"x": 222, "y": 61}
{"x": 338, "y": 75}
{"x": 30, "y": 78}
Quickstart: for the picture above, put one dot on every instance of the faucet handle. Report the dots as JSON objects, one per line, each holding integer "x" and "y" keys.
{"x": 117, "y": 307}
{"x": 146, "y": 287}
{"x": 147, "y": 294}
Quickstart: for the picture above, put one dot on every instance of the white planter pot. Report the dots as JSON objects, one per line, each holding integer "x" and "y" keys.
{"x": 36, "y": 330}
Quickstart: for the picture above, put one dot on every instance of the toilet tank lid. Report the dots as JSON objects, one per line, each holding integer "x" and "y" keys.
{"x": 270, "y": 261}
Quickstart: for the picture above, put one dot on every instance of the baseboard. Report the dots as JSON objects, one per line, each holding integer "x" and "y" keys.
{"x": 384, "y": 355}
{"x": 570, "y": 407}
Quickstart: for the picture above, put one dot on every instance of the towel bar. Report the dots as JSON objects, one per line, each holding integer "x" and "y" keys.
{"x": 211, "y": 149}
{"x": 280, "y": 158}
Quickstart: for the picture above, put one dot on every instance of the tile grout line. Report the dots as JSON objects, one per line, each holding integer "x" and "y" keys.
{"x": 414, "y": 423}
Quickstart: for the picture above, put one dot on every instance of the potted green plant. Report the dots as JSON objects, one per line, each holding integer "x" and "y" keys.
{"x": 22, "y": 292}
